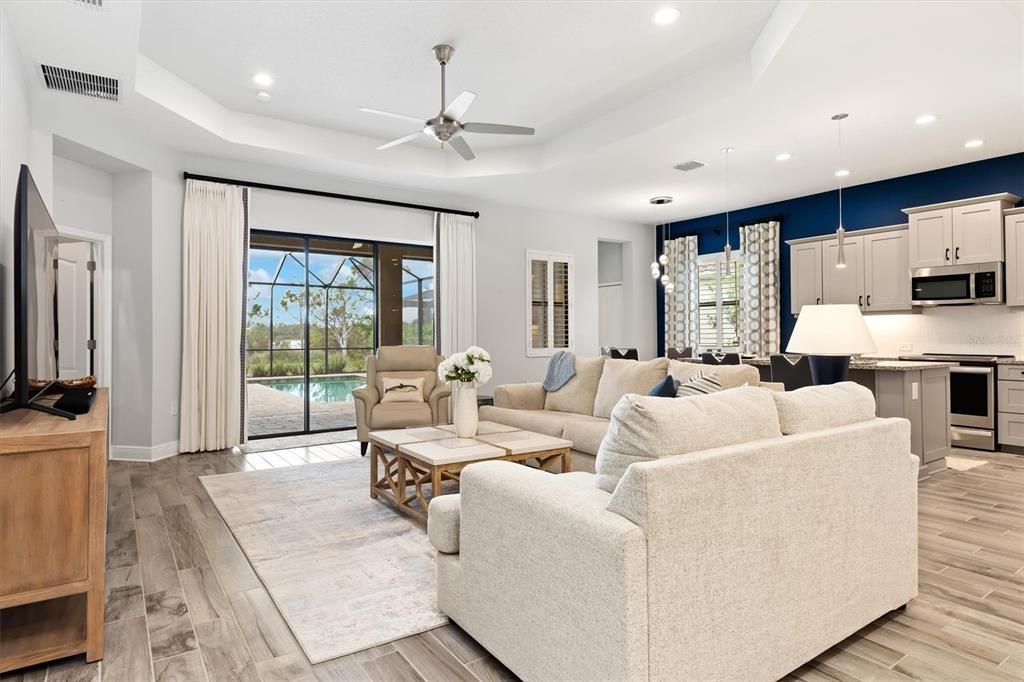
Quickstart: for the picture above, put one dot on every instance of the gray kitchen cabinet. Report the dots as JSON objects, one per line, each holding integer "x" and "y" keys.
{"x": 886, "y": 275}
{"x": 962, "y": 232}
{"x": 931, "y": 239}
{"x": 978, "y": 233}
{"x": 1014, "y": 228}
{"x": 843, "y": 285}
{"x": 1010, "y": 418}
{"x": 805, "y": 275}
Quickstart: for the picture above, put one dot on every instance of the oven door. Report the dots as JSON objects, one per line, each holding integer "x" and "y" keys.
{"x": 941, "y": 286}
{"x": 972, "y": 397}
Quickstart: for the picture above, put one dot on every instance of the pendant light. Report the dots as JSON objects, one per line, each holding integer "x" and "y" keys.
{"x": 728, "y": 246}
{"x": 659, "y": 268}
{"x": 840, "y": 232}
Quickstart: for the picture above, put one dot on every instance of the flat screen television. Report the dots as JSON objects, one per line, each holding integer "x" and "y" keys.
{"x": 35, "y": 249}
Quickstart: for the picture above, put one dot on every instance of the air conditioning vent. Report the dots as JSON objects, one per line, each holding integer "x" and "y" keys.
{"x": 80, "y": 83}
{"x": 687, "y": 166}
{"x": 89, "y": 3}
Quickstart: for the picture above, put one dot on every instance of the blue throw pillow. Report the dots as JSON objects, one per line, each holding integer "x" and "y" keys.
{"x": 666, "y": 388}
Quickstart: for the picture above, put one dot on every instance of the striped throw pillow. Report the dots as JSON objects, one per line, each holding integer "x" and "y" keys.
{"x": 698, "y": 385}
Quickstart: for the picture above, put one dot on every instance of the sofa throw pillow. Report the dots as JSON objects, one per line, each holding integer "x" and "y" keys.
{"x": 404, "y": 390}
{"x": 577, "y": 395}
{"x": 698, "y": 385}
{"x": 813, "y": 408}
{"x": 666, "y": 388}
{"x": 626, "y": 376}
{"x": 643, "y": 428}
{"x": 729, "y": 376}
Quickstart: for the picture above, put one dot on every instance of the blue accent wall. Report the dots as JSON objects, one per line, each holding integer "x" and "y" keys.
{"x": 870, "y": 205}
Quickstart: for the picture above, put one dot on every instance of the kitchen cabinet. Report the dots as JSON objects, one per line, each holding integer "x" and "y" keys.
{"x": 931, "y": 239}
{"x": 1014, "y": 229}
{"x": 886, "y": 273}
{"x": 805, "y": 275}
{"x": 1010, "y": 418}
{"x": 963, "y": 232}
{"x": 843, "y": 285}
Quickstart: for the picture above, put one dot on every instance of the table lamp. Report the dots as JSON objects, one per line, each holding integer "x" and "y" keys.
{"x": 829, "y": 335}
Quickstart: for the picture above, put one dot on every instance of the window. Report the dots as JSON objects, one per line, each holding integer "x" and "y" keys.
{"x": 718, "y": 286}
{"x": 550, "y": 301}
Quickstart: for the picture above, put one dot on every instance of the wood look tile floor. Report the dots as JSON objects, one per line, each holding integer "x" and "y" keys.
{"x": 184, "y": 604}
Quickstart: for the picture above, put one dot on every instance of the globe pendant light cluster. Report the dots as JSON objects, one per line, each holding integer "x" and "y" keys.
{"x": 659, "y": 268}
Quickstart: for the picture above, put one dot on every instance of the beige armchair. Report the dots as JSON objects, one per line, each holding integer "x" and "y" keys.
{"x": 400, "y": 362}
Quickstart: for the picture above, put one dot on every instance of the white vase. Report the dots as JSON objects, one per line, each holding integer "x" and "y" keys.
{"x": 464, "y": 404}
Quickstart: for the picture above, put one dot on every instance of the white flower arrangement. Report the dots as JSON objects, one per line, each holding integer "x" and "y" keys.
{"x": 472, "y": 366}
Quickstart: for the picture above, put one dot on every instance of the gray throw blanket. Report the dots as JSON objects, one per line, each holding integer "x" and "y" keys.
{"x": 561, "y": 369}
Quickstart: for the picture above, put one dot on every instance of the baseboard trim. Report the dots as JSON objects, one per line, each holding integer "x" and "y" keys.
{"x": 140, "y": 453}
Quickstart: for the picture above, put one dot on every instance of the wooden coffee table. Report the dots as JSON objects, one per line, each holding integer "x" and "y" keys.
{"x": 403, "y": 462}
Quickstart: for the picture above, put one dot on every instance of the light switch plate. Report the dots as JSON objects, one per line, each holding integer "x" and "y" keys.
{"x": 913, "y": 390}
{"x": 905, "y": 347}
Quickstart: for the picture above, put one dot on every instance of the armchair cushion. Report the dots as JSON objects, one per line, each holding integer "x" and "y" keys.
{"x": 644, "y": 428}
{"x": 400, "y": 415}
{"x": 443, "y": 523}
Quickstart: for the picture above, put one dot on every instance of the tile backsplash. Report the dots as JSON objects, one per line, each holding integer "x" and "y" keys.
{"x": 996, "y": 329}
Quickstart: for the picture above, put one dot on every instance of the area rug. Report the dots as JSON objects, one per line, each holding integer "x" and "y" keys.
{"x": 346, "y": 572}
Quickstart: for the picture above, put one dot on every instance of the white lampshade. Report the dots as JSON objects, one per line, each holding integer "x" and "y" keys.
{"x": 831, "y": 330}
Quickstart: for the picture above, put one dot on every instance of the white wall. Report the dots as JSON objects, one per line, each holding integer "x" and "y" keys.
{"x": 83, "y": 196}
{"x": 15, "y": 133}
{"x": 951, "y": 329}
{"x": 505, "y": 233}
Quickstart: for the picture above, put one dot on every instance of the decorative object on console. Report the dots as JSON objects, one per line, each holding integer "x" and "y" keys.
{"x": 660, "y": 270}
{"x": 840, "y": 232}
{"x": 830, "y": 334}
{"x": 465, "y": 371}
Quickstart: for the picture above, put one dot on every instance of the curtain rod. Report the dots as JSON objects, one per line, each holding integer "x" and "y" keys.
{"x": 331, "y": 195}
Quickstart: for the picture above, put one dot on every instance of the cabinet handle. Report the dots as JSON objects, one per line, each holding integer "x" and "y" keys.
{"x": 817, "y": 301}
{"x": 956, "y": 254}
{"x": 860, "y": 300}
{"x": 869, "y": 300}
{"x": 947, "y": 254}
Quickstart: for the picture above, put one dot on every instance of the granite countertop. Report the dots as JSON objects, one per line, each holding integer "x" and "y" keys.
{"x": 879, "y": 363}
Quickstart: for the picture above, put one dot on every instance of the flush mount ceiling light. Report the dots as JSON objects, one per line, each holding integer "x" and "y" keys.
{"x": 264, "y": 80}
{"x": 263, "y": 96}
{"x": 925, "y": 119}
{"x": 973, "y": 144}
{"x": 666, "y": 16}
{"x": 840, "y": 232}
{"x": 784, "y": 156}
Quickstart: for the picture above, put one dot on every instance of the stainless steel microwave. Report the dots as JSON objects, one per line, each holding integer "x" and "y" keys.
{"x": 957, "y": 284}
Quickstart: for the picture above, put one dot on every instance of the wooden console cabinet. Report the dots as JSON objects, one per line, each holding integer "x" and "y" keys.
{"x": 53, "y": 507}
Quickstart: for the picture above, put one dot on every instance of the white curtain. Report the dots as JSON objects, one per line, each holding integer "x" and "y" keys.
{"x": 681, "y": 304}
{"x": 760, "y": 288}
{"x": 455, "y": 291}
{"x": 213, "y": 283}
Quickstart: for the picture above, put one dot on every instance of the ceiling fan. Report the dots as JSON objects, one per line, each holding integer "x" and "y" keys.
{"x": 447, "y": 126}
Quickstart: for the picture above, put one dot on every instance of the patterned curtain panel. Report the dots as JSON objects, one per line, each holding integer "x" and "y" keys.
{"x": 760, "y": 289}
{"x": 681, "y": 319}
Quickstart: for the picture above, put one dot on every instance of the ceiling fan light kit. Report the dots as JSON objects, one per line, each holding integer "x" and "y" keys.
{"x": 447, "y": 126}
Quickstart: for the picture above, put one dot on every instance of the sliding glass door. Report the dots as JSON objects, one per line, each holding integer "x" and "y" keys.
{"x": 316, "y": 309}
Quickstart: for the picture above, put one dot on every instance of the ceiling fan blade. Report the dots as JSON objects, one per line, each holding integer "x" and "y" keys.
{"x": 401, "y": 140}
{"x": 391, "y": 114}
{"x": 460, "y": 145}
{"x": 497, "y": 129}
{"x": 457, "y": 109}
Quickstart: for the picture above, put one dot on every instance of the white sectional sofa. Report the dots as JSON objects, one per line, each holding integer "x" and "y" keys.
{"x": 738, "y": 561}
{"x": 579, "y": 411}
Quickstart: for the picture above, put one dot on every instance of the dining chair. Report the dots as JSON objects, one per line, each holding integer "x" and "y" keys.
{"x": 793, "y": 374}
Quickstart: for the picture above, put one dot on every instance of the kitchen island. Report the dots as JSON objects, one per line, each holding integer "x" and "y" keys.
{"x": 913, "y": 389}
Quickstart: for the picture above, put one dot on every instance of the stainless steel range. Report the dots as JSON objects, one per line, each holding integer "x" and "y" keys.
{"x": 972, "y": 398}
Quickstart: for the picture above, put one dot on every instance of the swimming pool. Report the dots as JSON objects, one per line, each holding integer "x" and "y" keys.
{"x": 321, "y": 389}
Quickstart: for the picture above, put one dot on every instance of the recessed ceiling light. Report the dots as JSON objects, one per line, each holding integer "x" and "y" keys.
{"x": 925, "y": 119}
{"x": 264, "y": 80}
{"x": 666, "y": 16}
{"x": 784, "y": 156}
{"x": 263, "y": 96}
{"x": 842, "y": 173}
{"x": 971, "y": 144}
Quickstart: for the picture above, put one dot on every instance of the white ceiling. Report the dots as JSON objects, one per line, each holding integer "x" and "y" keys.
{"x": 616, "y": 100}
